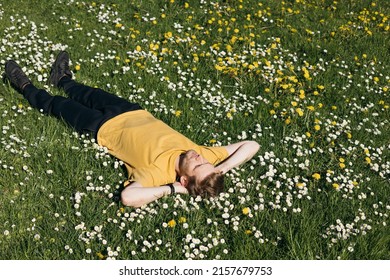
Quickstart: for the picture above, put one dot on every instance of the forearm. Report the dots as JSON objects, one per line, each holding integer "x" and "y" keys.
{"x": 135, "y": 195}
{"x": 244, "y": 152}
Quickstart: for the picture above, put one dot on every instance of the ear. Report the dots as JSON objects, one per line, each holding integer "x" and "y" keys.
{"x": 183, "y": 180}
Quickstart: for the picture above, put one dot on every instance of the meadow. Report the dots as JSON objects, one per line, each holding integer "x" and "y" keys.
{"x": 307, "y": 79}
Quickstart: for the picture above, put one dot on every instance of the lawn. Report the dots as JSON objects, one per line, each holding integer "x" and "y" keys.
{"x": 307, "y": 79}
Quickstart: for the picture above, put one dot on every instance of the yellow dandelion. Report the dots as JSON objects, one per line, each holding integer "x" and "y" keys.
{"x": 335, "y": 186}
{"x": 182, "y": 220}
{"x": 246, "y": 211}
{"x": 317, "y": 127}
{"x": 248, "y": 232}
{"x": 100, "y": 255}
{"x": 299, "y": 112}
{"x": 168, "y": 35}
{"x": 302, "y": 94}
{"x": 77, "y": 67}
{"x": 316, "y": 176}
{"x": 172, "y": 223}
{"x": 178, "y": 113}
{"x": 342, "y": 165}
{"x": 310, "y": 108}
{"x": 368, "y": 160}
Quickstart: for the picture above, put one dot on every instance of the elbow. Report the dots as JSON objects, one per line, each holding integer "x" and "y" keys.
{"x": 255, "y": 147}
{"x": 127, "y": 199}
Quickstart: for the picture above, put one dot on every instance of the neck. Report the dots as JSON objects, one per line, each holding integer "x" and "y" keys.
{"x": 177, "y": 169}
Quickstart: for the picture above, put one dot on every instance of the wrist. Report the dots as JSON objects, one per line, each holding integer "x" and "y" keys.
{"x": 172, "y": 189}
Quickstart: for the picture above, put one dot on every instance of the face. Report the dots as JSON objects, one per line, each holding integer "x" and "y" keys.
{"x": 193, "y": 164}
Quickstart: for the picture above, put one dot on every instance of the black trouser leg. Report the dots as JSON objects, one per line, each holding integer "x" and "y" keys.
{"x": 80, "y": 117}
{"x": 96, "y": 98}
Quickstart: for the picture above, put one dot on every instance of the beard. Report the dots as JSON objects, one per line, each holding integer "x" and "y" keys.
{"x": 183, "y": 159}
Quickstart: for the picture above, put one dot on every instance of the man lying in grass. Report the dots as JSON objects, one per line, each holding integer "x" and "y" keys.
{"x": 159, "y": 160}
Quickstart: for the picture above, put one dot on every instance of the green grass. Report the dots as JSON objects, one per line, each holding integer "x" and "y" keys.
{"x": 218, "y": 73}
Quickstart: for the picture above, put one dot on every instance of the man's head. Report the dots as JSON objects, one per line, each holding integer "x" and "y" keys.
{"x": 199, "y": 176}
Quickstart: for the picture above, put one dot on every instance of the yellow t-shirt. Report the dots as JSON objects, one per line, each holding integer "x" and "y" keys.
{"x": 149, "y": 147}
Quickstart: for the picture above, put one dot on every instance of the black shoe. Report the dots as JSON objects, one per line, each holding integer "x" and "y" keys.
{"x": 60, "y": 69}
{"x": 15, "y": 75}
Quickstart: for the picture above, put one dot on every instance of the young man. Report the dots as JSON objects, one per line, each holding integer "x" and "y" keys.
{"x": 159, "y": 160}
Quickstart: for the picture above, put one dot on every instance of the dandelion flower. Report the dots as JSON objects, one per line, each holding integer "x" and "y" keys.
{"x": 172, "y": 223}
{"x": 246, "y": 211}
{"x": 316, "y": 176}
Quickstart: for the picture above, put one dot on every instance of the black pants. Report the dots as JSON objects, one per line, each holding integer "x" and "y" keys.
{"x": 86, "y": 109}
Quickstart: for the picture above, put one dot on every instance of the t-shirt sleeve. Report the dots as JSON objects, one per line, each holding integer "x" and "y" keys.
{"x": 150, "y": 177}
{"x": 214, "y": 155}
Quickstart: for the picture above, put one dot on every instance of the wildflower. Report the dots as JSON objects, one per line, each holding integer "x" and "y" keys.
{"x": 316, "y": 176}
{"x": 336, "y": 186}
{"x": 178, "y": 113}
{"x": 100, "y": 255}
{"x": 246, "y": 210}
{"x": 299, "y": 112}
{"x": 248, "y": 232}
{"x": 172, "y": 223}
{"x": 182, "y": 220}
{"x": 168, "y": 35}
{"x": 368, "y": 160}
{"x": 77, "y": 67}
{"x": 317, "y": 127}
